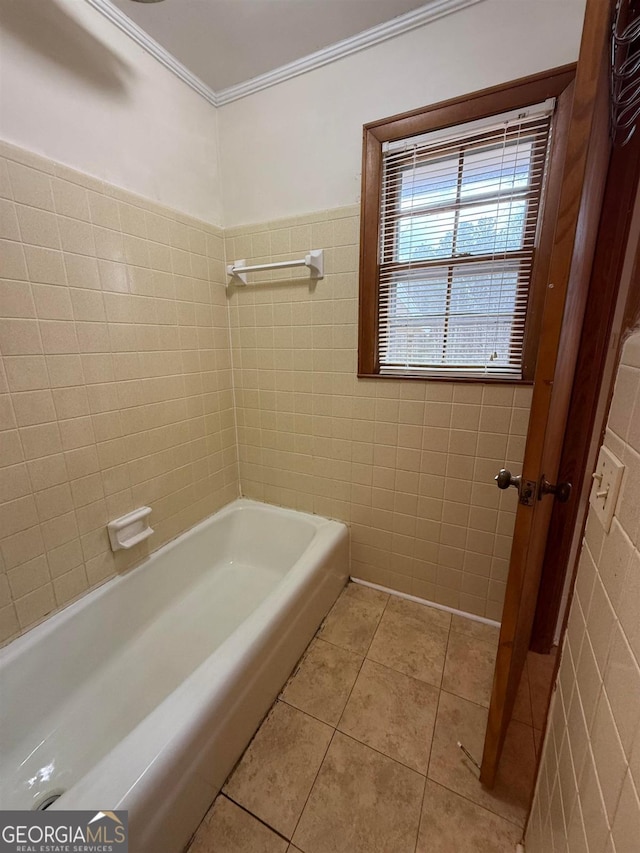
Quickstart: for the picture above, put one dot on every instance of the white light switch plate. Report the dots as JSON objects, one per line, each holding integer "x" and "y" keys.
{"x": 606, "y": 486}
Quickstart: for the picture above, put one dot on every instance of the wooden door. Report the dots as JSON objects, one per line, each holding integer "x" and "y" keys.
{"x": 571, "y": 255}
{"x": 568, "y": 519}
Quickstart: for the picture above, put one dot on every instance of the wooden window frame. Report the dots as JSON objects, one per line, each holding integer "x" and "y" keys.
{"x": 556, "y": 83}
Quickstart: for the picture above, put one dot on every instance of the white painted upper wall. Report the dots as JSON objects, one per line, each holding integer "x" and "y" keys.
{"x": 76, "y": 89}
{"x": 297, "y": 147}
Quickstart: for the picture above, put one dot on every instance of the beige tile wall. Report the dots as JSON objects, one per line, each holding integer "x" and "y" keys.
{"x": 115, "y": 380}
{"x": 587, "y": 798}
{"x": 116, "y": 391}
{"x": 410, "y": 464}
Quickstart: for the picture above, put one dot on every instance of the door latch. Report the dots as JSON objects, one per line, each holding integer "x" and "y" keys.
{"x": 526, "y": 488}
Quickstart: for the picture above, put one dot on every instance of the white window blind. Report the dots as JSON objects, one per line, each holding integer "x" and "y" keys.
{"x": 459, "y": 222}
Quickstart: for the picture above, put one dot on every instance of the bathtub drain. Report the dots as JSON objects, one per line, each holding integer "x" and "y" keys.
{"x": 47, "y": 801}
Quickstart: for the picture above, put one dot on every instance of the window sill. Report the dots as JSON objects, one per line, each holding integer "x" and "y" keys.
{"x": 435, "y": 377}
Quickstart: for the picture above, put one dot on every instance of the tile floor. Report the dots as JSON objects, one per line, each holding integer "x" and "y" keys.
{"x": 359, "y": 753}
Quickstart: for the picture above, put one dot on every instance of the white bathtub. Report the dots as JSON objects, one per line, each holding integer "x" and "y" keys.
{"x": 143, "y": 694}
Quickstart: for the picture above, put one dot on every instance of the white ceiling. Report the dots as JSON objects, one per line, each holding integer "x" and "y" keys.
{"x": 226, "y": 42}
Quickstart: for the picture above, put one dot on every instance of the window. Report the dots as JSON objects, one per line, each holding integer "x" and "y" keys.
{"x": 451, "y": 225}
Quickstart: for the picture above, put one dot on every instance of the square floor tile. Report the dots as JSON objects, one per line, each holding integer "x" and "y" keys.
{"x": 461, "y": 720}
{"x": 323, "y": 681}
{"x": 452, "y": 824}
{"x": 229, "y": 829}
{"x": 354, "y": 617}
{"x": 412, "y": 639}
{"x": 392, "y": 713}
{"x": 361, "y": 802}
{"x": 430, "y": 617}
{"x": 275, "y": 775}
{"x": 469, "y": 667}
{"x": 473, "y": 628}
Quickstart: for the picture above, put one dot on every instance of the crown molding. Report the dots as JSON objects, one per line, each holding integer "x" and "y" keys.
{"x": 124, "y": 23}
{"x": 389, "y": 29}
{"x": 431, "y": 11}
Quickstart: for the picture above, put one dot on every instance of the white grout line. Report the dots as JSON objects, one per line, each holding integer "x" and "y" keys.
{"x": 426, "y": 601}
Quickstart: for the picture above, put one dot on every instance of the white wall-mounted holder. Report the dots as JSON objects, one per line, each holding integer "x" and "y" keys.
{"x": 314, "y": 261}
{"x": 607, "y": 479}
{"x": 129, "y": 529}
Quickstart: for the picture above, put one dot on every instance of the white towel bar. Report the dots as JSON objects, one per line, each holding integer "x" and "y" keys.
{"x": 314, "y": 261}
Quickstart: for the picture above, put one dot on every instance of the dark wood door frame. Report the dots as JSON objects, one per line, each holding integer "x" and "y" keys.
{"x": 578, "y": 218}
{"x": 577, "y": 453}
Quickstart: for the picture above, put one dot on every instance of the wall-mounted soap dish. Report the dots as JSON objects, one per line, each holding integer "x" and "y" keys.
{"x": 129, "y": 529}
